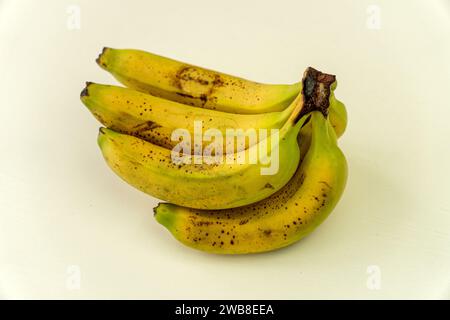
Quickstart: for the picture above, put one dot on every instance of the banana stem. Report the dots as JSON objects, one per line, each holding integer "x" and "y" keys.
{"x": 317, "y": 87}
{"x": 316, "y": 91}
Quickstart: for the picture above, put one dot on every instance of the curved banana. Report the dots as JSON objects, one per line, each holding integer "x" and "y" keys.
{"x": 153, "y": 119}
{"x": 194, "y": 85}
{"x": 278, "y": 221}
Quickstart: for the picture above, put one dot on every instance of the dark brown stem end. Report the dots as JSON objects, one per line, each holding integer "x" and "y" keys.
{"x": 316, "y": 91}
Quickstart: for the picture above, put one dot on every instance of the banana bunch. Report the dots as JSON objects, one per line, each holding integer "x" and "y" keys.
{"x": 244, "y": 195}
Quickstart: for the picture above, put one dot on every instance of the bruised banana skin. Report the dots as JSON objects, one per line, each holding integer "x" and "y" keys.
{"x": 278, "y": 221}
{"x": 153, "y": 119}
{"x": 196, "y": 86}
{"x": 200, "y": 87}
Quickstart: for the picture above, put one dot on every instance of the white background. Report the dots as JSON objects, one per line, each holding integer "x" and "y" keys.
{"x": 64, "y": 216}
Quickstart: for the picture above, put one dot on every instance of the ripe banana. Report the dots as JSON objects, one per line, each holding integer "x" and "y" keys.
{"x": 194, "y": 85}
{"x": 278, "y": 221}
{"x": 153, "y": 119}
{"x": 150, "y": 168}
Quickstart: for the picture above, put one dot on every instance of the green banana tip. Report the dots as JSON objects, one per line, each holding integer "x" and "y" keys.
{"x": 155, "y": 210}
{"x": 100, "y": 61}
{"x": 164, "y": 214}
{"x": 85, "y": 91}
{"x": 101, "y": 138}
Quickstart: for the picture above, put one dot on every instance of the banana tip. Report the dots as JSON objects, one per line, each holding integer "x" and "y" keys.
{"x": 99, "y": 59}
{"x": 155, "y": 209}
{"x": 85, "y": 92}
{"x": 101, "y": 138}
{"x": 164, "y": 215}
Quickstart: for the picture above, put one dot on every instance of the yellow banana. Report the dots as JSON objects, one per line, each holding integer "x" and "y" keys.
{"x": 194, "y": 85}
{"x": 153, "y": 119}
{"x": 151, "y": 169}
{"x": 281, "y": 219}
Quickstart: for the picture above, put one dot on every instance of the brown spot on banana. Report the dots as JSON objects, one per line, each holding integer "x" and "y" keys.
{"x": 196, "y": 83}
